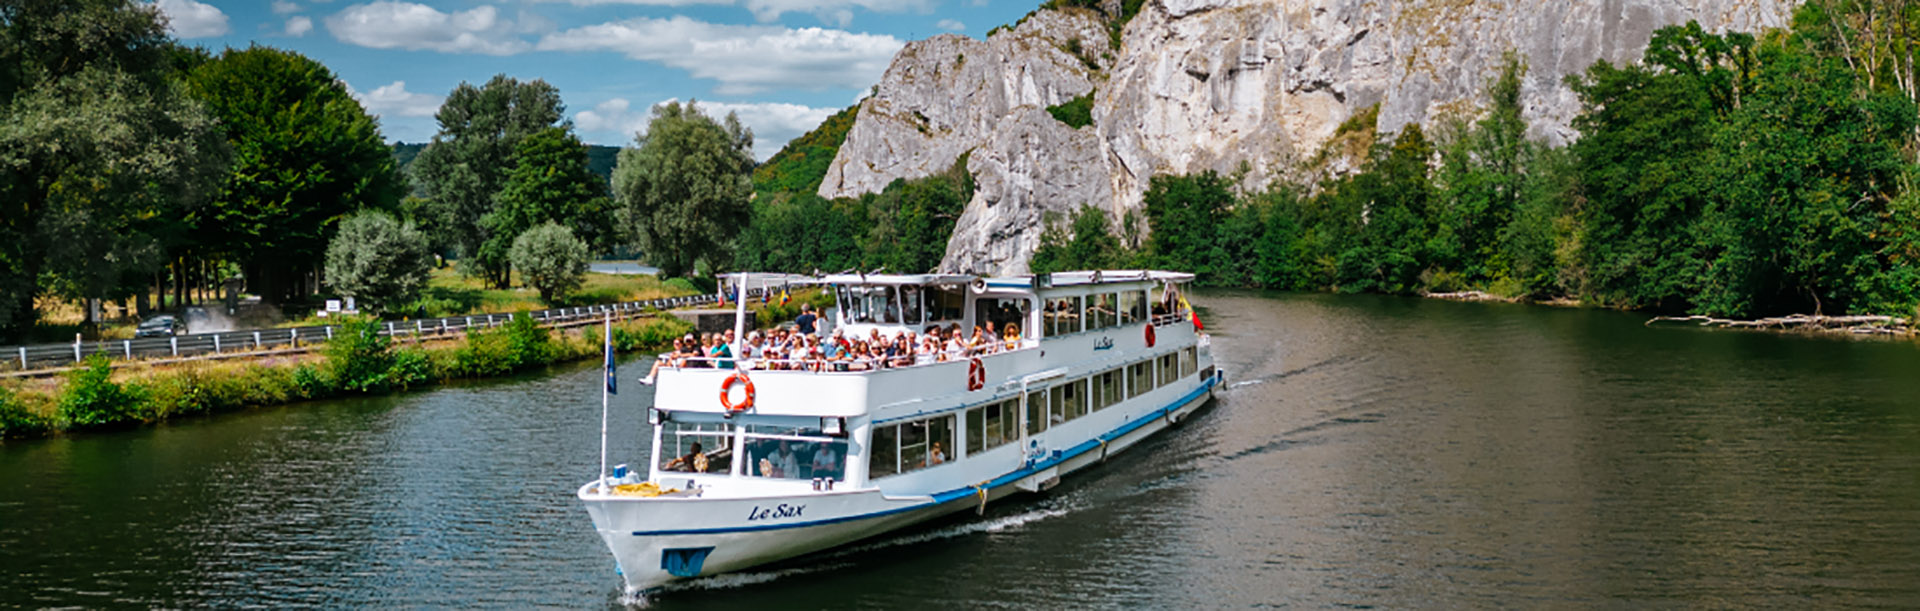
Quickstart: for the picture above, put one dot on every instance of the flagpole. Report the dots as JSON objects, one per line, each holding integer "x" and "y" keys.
{"x": 604, "y": 400}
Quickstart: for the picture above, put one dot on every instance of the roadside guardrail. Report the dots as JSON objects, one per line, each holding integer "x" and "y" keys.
{"x": 255, "y": 341}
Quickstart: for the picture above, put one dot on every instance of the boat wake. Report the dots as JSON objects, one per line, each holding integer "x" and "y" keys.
{"x": 1338, "y": 360}
{"x": 729, "y": 581}
{"x": 958, "y": 530}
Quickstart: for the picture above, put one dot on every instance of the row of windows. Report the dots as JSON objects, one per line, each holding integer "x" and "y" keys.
{"x": 909, "y": 446}
{"x": 1064, "y": 315}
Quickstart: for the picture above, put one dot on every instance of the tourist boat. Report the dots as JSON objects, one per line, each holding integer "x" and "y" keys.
{"x": 802, "y": 456}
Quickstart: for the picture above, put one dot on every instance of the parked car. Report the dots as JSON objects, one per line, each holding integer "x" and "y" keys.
{"x": 164, "y": 325}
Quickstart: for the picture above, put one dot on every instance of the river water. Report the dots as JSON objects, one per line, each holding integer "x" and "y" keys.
{"x": 1368, "y": 451}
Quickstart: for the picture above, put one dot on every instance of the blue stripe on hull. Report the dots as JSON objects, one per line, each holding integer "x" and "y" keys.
{"x": 941, "y": 498}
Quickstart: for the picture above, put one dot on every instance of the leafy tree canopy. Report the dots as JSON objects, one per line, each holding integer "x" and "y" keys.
{"x": 550, "y": 182}
{"x": 305, "y": 154}
{"x": 468, "y": 160}
{"x": 101, "y": 151}
{"x": 686, "y": 187}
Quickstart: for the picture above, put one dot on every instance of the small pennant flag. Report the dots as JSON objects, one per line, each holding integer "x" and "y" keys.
{"x": 766, "y": 294}
{"x": 612, "y": 388}
{"x": 785, "y": 298}
{"x": 723, "y": 295}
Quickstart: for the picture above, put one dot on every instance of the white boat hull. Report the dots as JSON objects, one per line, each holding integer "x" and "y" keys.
{"x": 740, "y": 533}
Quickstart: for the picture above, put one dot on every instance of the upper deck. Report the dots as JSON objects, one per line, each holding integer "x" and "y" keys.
{"x": 1078, "y": 319}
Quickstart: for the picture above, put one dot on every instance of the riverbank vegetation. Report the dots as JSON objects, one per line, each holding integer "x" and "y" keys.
{"x": 358, "y": 361}
{"x": 194, "y": 189}
{"x": 1730, "y": 175}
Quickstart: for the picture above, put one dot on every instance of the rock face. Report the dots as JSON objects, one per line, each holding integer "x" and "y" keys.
{"x": 1221, "y": 85}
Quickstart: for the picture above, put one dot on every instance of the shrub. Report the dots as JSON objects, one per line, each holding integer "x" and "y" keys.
{"x": 654, "y": 334}
{"x": 550, "y": 259}
{"x": 17, "y": 420}
{"x": 378, "y": 260}
{"x": 1076, "y": 113}
{"x": 92, "y": 399}
{"x": 411, "y": 368}
{"x": 313, "y": 382}
{"x": 359, "y": 357}
{"x": 489, "y": 352}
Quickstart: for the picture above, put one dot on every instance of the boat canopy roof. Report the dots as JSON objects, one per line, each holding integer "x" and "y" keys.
{"x": 897, "y": 279}
{"x": 1075, "y": 278}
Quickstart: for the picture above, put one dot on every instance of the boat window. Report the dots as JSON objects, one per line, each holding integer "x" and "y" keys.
{"x": 1062, "y": 316}
{"x": 677, "y": 439}
{"x": 883, "y": 452}
{"x": 1000, "y": 312}
{"x": 1169, "y": 368}
{"x": 945, "y": 303}
{"x": 1106, "y": 389}
{"x": 911, "y": 446}
{"x": 1133, "y": 307}
{"x": 910, "y": 305}
{"x": 1187, "y": 362}
{"x": 883, "y": 304}
{"x": 1069, "y": 401}
{"x": 1100, "y": 314}
{"x": 1036, "y": 412}
{"x": 1139, "y": 378}
{"x": 990, "y": 426}
{"x": 789, "y": 452}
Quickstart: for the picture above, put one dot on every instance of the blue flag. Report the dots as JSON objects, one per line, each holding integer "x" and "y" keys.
{"x": 612, "y": 388}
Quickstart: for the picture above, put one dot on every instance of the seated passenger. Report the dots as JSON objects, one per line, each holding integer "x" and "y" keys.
{"x": 934, "y": 455}
{"x": 694, "y": 461}
{"x": 1012, "y": 338}
{"x": 785, "y": 462}
{"x": 826, "y": 463}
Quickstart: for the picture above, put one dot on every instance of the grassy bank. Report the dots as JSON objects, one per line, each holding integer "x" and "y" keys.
{"x": 359, "y": 361}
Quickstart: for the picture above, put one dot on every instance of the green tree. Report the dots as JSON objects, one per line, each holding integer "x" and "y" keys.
{"x": 550, "y": 182}
{"x": 1086, "y": 243}
{"x": 1184, "y": 214}
{"x": 378, "y": 261}
{"x": 911, "y": 220}
{"x": 551, "y": 260}
{"x": 102, "y": 153}
{"x": 686, "y": 187}
{"x": 305, "y": 154}
{"x": 467, "y": 163}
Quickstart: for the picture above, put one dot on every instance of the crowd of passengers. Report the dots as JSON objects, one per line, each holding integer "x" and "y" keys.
{"x": 799, "y": 349}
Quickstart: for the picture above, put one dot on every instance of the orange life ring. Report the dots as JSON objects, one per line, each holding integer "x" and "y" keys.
{"x": 976, "y": 374}
{"x": 1149, "y": 334}
{"x": 726, "y": 393}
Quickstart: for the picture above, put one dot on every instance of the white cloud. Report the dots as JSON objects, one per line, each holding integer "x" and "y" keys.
{"x": 283, "y": 7}
{"x": 743, "y": 58}
{"x": 299, "y": 26}
{"x": 951, "y": 25}
{"x": 393, "y": 100}
{"x": 837, "y": 12}
{"x": 773, "y": 123}
{"x": 192, "y": 19}
{"x": 405, "y": 25}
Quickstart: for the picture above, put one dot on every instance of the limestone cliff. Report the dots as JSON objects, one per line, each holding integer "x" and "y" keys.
{"x": 1215, "y": 84}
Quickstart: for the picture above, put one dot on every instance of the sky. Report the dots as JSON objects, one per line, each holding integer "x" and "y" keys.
{"x": 782, "y": 65}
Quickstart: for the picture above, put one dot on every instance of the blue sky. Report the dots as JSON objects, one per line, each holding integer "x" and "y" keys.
{"x": 782, "y": 65}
